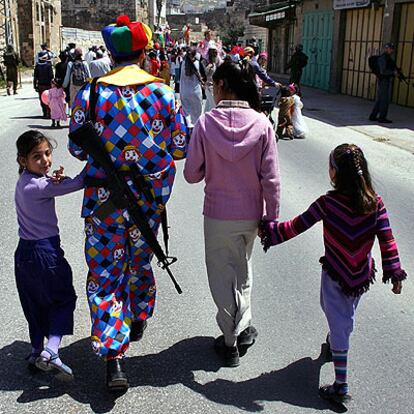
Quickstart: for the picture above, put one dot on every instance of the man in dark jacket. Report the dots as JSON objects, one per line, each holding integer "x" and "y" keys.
{"x": 42, "y": 80}
{"x": 297, "y": 62}
{"x": 11, "y": 61}
{"x": 386, "y": 71}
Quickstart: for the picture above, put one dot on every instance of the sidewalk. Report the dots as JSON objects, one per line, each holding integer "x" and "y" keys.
{"x": 348, "y": 111}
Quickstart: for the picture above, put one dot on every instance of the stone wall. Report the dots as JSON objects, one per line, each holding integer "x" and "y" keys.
{"x": 93, "y": 15}
{"x": 82, "y": 38}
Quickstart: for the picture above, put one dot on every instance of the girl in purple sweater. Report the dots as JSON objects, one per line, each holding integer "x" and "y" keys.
{"x": 353, "y": 216}
{"x": 233, "y": 149}
{"x": 43, "y": 276}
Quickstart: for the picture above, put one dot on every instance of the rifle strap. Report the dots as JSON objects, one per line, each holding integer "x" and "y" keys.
{"x": 93, "y": 97}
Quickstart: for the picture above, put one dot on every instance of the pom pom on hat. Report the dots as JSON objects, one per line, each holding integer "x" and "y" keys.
{"x": 126, "y": 38}
{"x": 123, "y": 20}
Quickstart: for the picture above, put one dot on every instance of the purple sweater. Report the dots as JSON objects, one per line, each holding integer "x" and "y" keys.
{"x": 35, "y": 204}
{"x": 234, "y": 150}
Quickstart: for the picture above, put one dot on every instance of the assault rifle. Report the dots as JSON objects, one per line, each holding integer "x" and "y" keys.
{"x": 121, "y": 194}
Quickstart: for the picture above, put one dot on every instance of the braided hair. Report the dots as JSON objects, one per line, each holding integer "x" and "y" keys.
{"x": 352, "y": 177}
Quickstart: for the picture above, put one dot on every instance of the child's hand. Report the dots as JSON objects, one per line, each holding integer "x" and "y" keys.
{"x": 397, "y": 287}
{"x": 58, "y": 175}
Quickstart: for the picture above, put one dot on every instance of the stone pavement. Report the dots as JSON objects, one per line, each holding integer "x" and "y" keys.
{"x": 348, "y": 111}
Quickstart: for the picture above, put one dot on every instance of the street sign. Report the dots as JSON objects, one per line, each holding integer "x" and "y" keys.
{"x": 349, "y": 4}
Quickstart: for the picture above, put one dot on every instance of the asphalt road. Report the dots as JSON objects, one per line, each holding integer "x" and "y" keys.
{"x": 174, "y": 369}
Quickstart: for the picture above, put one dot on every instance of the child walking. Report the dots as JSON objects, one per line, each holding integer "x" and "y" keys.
{"x": 300, "y": 129}
{"x": 43, "y": 276}
{"x": 353, "y": 215}
{"x": 57, "y": 103}
{"x": 286, "y": 102}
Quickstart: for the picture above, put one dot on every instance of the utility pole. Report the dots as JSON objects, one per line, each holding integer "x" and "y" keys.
{"x": 6, "y": 29}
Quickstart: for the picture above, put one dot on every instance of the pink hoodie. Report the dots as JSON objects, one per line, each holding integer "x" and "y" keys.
{"x": 234, "y": 150}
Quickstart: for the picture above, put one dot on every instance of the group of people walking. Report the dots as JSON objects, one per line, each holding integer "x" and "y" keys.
{"x": 233, "y": 149}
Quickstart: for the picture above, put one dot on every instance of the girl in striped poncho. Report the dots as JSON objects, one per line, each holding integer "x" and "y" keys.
{"x": 353, "y": 215}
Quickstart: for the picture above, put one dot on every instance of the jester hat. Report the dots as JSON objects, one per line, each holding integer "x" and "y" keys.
{"x": 126, "y": 38}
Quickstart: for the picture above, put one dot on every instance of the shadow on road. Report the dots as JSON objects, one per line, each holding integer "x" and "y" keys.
{"x": 295, "y": 384}
{"x": 28, "y": 116}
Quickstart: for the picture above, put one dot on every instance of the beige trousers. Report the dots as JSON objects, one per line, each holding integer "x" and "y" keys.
{"x": 228, "y": 248}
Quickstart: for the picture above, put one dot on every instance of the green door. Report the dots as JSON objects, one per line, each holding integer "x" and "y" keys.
{"x": 317, "y": 44}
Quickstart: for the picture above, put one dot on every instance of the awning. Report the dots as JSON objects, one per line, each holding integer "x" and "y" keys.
{"x": 268, "y": 17}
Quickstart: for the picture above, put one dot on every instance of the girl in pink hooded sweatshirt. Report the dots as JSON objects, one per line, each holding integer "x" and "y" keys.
{"x": 233, "y": 148}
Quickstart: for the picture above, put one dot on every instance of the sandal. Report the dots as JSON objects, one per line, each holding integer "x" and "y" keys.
{"x": 31, "y": 361}
{"x": 46, "y": 364}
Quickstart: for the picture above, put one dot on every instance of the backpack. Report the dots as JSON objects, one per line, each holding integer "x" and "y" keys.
{"x": 79, "y": 74}
{"x": 373, "y": 64}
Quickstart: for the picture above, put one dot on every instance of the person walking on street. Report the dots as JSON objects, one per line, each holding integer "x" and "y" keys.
{"x": 233, "y": 149}
{"x": 43, "y": 275}
{"x": 192, "y": 80}
{"x": 57, "y": 103}
{"x": 296, "y": 65}
{"x": 77, "y": 73}
{"x": 100, "y": 66}
{"x": 211, "y": 64}
{"x": 11, "y": 61}
{"x": 262, "y": 78}
{"x": 45, "y": 54}
{"x": 42, "y": 80}
{"x": 386, "y": 71}
{"x": 353, "y": 216}
{"x": 137, "y": 120}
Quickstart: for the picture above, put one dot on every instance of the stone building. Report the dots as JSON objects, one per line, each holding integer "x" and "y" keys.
{"x": 95, "y": 14}
{"x": 39, "y": 21}
{"x": 339, "y": 36}
{"x": 9, "y": 28}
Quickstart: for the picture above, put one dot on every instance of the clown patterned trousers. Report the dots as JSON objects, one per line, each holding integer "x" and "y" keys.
{"x": 120, "y": 285}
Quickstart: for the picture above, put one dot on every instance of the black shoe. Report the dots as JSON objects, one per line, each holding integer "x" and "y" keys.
{"x": 137, "y": 330}
{"x": 335, "y": 392}
{"x": 372, "y": 118}
{"x": 247, "y": 337}
{"x": 384, "y": 121}
{"x": 116, "y": 379}
{"x": 230, "y": 354}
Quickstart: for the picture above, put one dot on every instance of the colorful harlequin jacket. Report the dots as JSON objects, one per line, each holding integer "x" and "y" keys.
{"x": 137, "y": 118}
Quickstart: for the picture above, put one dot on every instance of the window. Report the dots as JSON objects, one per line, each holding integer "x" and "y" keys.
{"x": 51, "y": 11}
{"x": 37, "y": 12}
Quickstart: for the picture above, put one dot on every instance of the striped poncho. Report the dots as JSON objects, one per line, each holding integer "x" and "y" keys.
{"x": 348, "y": 240}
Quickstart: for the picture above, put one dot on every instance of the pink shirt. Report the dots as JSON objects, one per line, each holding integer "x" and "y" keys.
{"x": 233, "y": 148}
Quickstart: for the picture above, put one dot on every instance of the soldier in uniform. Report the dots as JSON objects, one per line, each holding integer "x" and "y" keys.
{"x": 137, "y": 118}
{"x": 386, "y": 71}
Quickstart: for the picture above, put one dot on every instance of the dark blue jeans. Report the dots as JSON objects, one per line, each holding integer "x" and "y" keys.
{"x": 44, "y": 283}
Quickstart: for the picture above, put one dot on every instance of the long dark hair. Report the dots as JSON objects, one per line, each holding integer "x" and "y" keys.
{"x": 190, "y": 68}
{"x": 240, "y": 80}
{"x": 353, "y": 178}
{"x": 27, "y": 142}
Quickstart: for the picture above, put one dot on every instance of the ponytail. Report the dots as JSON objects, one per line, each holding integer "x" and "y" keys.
{"x": 239, "y": 79}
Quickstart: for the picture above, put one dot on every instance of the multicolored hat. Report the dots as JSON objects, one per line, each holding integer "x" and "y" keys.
{"x": 126, "y": 38}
